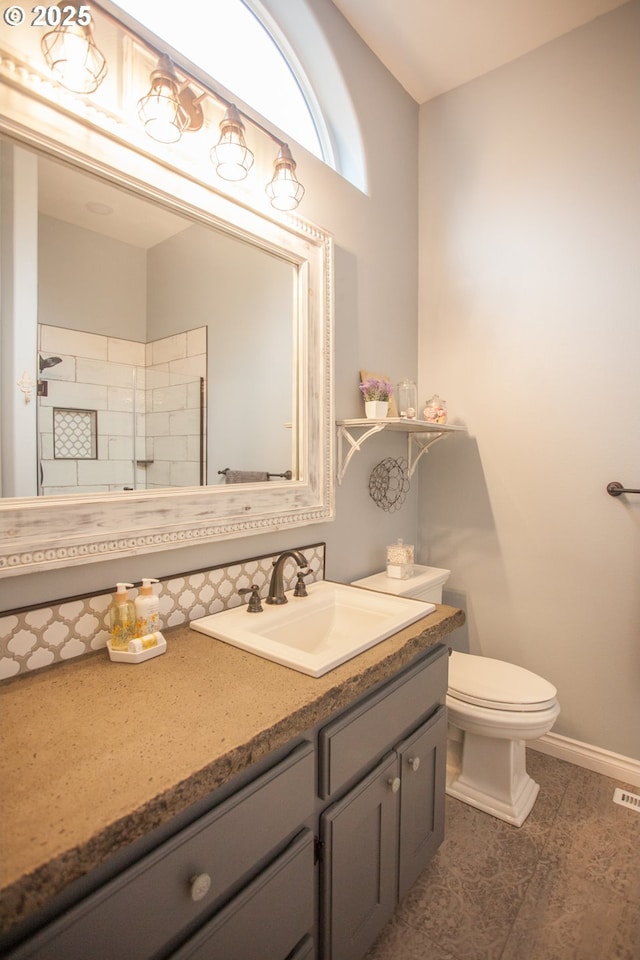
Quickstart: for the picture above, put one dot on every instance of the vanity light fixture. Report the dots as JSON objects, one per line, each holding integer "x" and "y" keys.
{"x": 284, "y": 189}
{"x": 231, "y": 155}
{"x": 169, "y": 108}
{"x": 70, "y": 50}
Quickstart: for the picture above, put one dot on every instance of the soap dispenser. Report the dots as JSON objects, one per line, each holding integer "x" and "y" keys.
{"x": 122, "y": 618}
{"x": 147, "y": 607}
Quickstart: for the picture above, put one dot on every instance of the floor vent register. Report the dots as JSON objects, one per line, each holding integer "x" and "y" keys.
{"x": 626, "y": 799}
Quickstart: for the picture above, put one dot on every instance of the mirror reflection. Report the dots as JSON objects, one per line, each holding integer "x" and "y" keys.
{"x": 165, "y": 346}
{"x": 129, "y": 424}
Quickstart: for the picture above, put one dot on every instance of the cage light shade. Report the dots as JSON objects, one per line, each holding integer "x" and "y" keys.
{"x": 284, "y": 190}
{"x": 231, "y": 155}
{"x": 160, "y": 110}
{"x": 72, "y": 55}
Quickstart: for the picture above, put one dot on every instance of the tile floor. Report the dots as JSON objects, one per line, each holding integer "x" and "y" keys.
{"x": 564, "y": 886}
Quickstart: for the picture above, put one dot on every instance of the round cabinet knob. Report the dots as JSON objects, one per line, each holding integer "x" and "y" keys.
{"x": 414, "y": 763}
{"x": 200, "y": 886}
{"x": 394, "y": 783}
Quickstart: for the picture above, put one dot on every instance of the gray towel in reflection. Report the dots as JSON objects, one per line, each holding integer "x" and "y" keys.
{"x": 246, "y": 476}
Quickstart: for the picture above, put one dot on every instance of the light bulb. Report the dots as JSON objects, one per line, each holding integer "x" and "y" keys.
{"x": 231, "y": 156}
{"x": 284, "y": 190}
{"x": 160, "y": 110}
{"x": 76, "y": 62}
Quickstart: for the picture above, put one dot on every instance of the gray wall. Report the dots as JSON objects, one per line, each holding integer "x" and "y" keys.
{"x": 90, "y": 282}
{"x": 530, "y": 232}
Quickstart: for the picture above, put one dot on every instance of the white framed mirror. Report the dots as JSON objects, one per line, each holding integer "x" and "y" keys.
{"x": 45, "y": 134}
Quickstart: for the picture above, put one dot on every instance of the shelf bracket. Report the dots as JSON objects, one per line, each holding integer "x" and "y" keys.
{"x": 420, "y": 436}
{"x": 419, "y": 443}
{"x": 345, "y": 436}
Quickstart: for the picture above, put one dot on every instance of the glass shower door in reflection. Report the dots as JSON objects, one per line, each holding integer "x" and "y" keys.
{"x": 170, "y": 430}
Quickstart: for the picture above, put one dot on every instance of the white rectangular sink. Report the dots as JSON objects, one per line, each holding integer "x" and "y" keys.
{"x": 314, "y": 634}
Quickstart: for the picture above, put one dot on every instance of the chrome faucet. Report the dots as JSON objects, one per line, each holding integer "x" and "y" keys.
{"x": 276, "y": 587}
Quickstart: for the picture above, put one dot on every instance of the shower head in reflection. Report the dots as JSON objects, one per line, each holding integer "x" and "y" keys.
{"x": 45, "y": 362}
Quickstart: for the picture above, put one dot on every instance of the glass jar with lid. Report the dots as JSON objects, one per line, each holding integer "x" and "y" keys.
{"x": 435, "y": 410}
{"x": 407, "y": 399}
{"x": 400, "y": 560}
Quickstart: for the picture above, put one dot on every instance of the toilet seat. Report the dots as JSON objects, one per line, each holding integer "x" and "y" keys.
{"x": 505, "y": 724}
{"x": 497, "y": 685}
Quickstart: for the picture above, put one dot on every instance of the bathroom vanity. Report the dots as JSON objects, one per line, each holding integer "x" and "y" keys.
{"x": 231, "y": 807}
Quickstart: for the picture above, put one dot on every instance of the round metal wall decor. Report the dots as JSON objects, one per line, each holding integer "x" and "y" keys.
{"x": 389, "y": 483}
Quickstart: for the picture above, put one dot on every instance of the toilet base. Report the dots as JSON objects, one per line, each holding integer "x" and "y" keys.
{"x": 490, "y": 774}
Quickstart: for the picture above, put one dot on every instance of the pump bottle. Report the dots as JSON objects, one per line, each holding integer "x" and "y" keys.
{"x": 147, "y": 606}
{"x": 122, "y": 618}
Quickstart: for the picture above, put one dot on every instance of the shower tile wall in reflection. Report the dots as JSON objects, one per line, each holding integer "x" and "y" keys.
{"x": 158, "y": 387}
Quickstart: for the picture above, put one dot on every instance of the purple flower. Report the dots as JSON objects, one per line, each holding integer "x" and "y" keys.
{"x": 373, "y": 389}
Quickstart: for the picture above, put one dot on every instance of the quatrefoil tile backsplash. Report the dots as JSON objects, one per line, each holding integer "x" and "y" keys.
{"x": 36, "y": 637}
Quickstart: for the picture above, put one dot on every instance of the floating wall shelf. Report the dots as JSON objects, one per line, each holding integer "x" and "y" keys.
{"x": 420, "y": 436}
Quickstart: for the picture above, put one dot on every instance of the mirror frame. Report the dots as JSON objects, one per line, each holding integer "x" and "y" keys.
{"x": 51, "y": 532}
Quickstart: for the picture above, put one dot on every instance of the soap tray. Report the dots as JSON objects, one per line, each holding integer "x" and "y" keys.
{"x": 138, "y": 656}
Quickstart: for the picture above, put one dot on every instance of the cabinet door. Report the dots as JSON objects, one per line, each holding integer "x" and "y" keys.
{"x": 423, "y": 759}
{"x": 359, "y": 834}
{"x": 270, "y": 919}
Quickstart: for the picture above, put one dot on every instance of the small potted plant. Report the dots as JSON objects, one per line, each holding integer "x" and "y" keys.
{"x": 376, "y": 395}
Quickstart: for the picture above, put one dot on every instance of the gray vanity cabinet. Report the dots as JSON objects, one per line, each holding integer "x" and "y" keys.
{"x": 322, "y": 839}
{"x": 381, "y": 833}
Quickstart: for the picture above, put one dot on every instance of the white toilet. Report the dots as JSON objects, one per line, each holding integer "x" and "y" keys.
{"x": 493, "y": 708}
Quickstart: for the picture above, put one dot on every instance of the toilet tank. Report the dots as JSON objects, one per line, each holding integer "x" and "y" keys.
{"x": 425, "y": 584}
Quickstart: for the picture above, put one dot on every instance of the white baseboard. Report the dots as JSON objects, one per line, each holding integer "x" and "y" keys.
{"x": 609, "y": 764}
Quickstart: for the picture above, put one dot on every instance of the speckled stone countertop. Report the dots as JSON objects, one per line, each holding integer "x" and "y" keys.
{"x": 95, "y": 754}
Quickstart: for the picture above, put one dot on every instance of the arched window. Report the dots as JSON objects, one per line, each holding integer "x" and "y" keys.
{"x": 229, "y": 42}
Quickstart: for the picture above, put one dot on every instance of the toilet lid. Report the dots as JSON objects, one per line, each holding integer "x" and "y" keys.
{"x": 497, "y": 684}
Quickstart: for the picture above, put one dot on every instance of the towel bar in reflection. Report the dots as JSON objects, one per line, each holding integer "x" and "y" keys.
{"x": 287, "y": 475}
{"x": 614, "y": 489}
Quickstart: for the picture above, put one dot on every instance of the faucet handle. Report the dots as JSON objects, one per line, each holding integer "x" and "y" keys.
{"x": 300, "y": 589}
{"x": 254, "y": 605}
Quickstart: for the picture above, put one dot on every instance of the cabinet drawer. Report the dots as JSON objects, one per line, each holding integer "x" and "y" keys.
{"x": 269, "y": 918}
{"x": 136, "y": 914}
{"x": 362, "y": 735}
